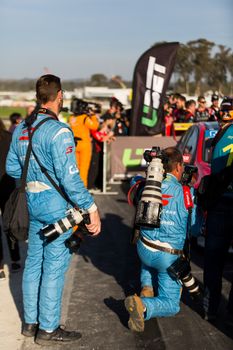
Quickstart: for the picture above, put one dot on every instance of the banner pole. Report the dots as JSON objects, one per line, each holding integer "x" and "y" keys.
{"x": 104, "y": 167}
{"x": 104, "y": 189}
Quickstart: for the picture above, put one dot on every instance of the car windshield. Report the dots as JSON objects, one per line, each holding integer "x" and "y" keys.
{"x": 208, "y": 138}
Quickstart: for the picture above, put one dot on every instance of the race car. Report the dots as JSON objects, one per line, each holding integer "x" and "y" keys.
{"x": 195, "y": 145}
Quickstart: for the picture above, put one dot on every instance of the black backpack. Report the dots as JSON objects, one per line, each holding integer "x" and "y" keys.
{"x": 16, "y": 216}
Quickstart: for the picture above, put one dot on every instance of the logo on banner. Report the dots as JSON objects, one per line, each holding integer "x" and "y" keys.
{"x": 155, "y": 78}
{"x": 132, "y": 158}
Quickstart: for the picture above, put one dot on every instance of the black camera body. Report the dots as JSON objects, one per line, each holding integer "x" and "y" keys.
{"x": 74, "y": 241}
{"x": 187, "y": 175}
{"x": 181, "y": 270}
{"x": 79, "y": 106}
{"x": 154, "y": 152}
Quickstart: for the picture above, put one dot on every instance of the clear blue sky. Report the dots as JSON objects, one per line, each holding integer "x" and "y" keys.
{"x": 78, "y": 38}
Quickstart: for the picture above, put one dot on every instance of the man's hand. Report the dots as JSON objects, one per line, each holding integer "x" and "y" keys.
{"x": 95, "y": 226}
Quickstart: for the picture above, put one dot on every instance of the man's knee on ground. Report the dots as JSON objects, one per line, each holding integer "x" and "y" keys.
{"x": 173, "y": 308}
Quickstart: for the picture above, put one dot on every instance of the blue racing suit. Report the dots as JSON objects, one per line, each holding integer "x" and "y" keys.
{"x": 46, "y": 263}
{"x": 171, "y": 234}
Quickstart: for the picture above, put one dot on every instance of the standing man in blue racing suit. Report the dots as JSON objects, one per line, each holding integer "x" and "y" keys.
{"x": 169, "y": 240}
{"x": 46, "y": 263}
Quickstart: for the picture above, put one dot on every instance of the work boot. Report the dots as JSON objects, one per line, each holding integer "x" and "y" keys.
{"x": 135, "y": 308}
{"x": 147, "y": 292}
{"x": 59, "y": 335}
{"x": 29, "y": 329}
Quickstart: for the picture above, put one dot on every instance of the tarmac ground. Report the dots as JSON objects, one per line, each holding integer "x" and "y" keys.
{"x": 101, "y": 275}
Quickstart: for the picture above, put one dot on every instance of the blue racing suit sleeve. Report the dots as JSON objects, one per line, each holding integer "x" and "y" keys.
{"x": 13, "y": 166}
{"x": 65, "y": 168}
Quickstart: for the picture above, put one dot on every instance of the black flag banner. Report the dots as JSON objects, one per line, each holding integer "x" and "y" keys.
{"x": 151, "y": 77}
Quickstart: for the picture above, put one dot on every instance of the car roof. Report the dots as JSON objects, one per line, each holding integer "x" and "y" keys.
{"x": 210, "y": 125}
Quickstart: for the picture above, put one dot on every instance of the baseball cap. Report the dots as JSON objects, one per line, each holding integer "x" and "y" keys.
{"x": 214, "y": 97}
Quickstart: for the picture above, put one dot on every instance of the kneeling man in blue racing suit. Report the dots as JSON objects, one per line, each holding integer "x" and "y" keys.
{"x": 46, "y": 263}
{"x": 169, "y": 238}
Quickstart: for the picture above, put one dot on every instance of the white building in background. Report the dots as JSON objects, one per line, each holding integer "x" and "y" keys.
{"x": 105, "y": 93}
{"x": 96, "y": 94}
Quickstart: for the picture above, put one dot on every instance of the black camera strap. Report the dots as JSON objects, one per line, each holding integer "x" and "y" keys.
{"x": 43, "y": 169}
{"x": 47, "y": 112}
{"x": 51, "y": 180}
{"x": 29, "y": 150}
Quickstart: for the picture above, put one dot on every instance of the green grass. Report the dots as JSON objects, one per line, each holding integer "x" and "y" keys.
{"x": 5, "y": 112}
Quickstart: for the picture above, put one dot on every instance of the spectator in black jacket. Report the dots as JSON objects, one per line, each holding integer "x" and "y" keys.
{"x": 7, "y": 185}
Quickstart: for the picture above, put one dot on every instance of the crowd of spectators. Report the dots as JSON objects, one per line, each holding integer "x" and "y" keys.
{"x": 113, "y": 123}
{"x": 179, "y": 110}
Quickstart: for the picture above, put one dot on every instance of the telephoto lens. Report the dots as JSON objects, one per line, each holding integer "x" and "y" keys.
{"x": 191, "y": 284}
{"x": 53, "y": 231}
{"x": 149, "y": 207}
{"x": 181, "y": 270}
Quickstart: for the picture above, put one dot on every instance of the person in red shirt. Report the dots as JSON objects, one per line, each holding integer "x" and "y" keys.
{"x": 95, "y": 174}
{"x": 168, "y": 119}
{"x": 190, "y": 108}
{"x": 178, "y": 113}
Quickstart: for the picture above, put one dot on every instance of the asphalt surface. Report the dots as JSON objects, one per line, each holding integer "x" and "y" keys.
{"x": 105, "y": 270}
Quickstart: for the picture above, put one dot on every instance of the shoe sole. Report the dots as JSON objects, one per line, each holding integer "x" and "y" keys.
{"x": 136, "y": 319}
{"x": 29, "y": 335}
{"x": 54, "y": 342}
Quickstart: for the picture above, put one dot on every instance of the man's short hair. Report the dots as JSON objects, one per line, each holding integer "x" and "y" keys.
{"x": 14, "y": 117}
{"x": 173, "y": 156}
{"x": 181, "y": 98}
{"x": 176, "y": 95}
{"x": 113, "y": 102}
{"x": 190, "y": 103}
{"x": 47, "y": 87}
{"x": 200, "y": 98}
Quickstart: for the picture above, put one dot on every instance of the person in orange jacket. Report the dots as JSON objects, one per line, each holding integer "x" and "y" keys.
{"x": 81, "y": 123}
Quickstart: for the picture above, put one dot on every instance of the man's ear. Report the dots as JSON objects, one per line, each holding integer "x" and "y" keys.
{"x": 177, "y": 167}
{"x": 59, "y": 95}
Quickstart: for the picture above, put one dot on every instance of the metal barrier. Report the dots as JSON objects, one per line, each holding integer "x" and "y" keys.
{"x": 123, "y": 158}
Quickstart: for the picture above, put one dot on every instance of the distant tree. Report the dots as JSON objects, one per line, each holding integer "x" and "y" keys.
{"x": 98, "y": 80}
{"x": 184, "y": 65}
{"x": 230, "y": 70}
{"x": 200, "y": 57}
{"x": 218, "y": 69}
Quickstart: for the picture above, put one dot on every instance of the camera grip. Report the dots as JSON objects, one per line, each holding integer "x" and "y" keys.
{"x": 82, "y": 225}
